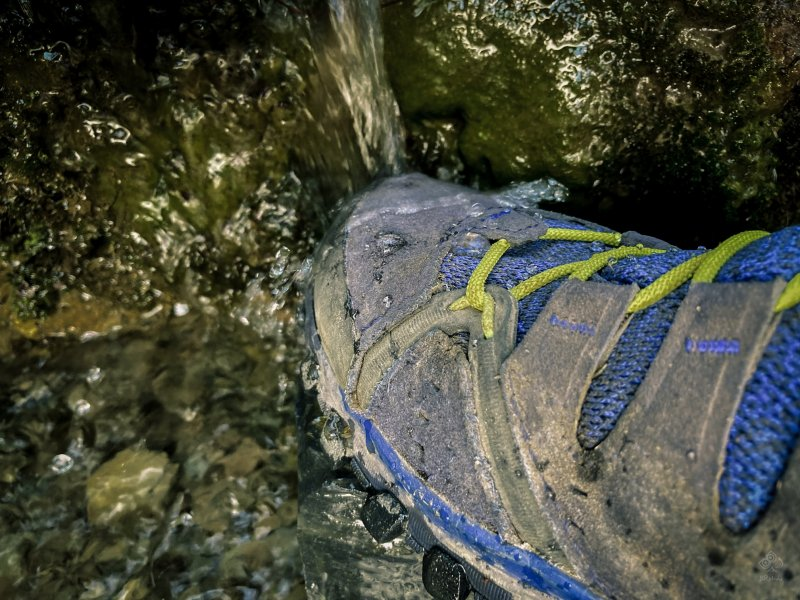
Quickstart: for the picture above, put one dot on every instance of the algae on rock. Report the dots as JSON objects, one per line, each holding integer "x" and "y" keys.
{"x": 155, "y": 154}
{"x": 135, "y": 150}
{"x": 670, "y": 117}
{"x": 132, "y": 484}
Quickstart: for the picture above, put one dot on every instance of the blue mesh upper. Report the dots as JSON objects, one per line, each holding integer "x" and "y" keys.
{"x": 777, "y": 255}
{"x": 610, "y": 392}
{"x": 765, "y": 429}
{"x": 767, "y": 422}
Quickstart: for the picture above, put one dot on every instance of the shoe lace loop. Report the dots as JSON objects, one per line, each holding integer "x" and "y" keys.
{"x": 475, "y": 295}
{"x": 702, "y": 268}
{"x": 790, "y": 296}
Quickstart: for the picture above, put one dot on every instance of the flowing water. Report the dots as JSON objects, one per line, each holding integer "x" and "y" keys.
{"x": 165, "y": 170}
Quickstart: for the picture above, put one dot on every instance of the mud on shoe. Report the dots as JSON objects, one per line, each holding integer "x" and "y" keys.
{"x": 547, "y": 407}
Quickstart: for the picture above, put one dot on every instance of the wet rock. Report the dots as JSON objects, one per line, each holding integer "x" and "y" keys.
{"x": 329, "y": 525}
{"x": 212, "y": 506}
{"x": 229, "y": 477}
{"x": 181, "y": 385}
{"x": 10, "y": 465}
{"x": 244, "y": 459}
{"x": 623, "y": 104}
{"x": 110, "y": 553}
{"x": 284, "y": 516}
{"x": 135, "y": 589}
{"x": 133, "y": 484}
{"x": 161, "y": 156}
{"x": 11, "y": 563}
{"x": 247, "y": 557}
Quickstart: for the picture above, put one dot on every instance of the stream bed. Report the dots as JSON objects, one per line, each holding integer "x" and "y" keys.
{"x": 165, "y": 169}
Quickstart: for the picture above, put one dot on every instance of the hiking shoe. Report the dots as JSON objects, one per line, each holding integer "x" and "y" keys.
{"x": 544, "y": 406}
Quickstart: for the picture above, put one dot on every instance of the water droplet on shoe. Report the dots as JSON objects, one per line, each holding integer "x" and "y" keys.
{"x": 691, "y": 455}
{"x": 597, "y": 246}
{"x": 387, "y": 301}
{"x": 389, "y": 243}
{"x": 472, "y": 244}
{"x": 475, "y": 210}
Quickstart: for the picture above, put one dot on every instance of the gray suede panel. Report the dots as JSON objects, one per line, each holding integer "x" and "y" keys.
{"x": 514, "y": 225}
{"x": 692, "y": 390}
{"x": 398, "y": 235}
{"x": 634, "y": 238}
{"x": 545, "y": 379}
{"x": 395, "y": 247}
{"x": 422, "y": 408}
{"x": 333, "y": 320}
{"x": 553, "y": 365}
{"x": 639, "y": 514}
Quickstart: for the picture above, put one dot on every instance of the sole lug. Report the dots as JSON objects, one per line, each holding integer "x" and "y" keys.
{"x": 384, "y": 517}
{"x": 443, "y": 576}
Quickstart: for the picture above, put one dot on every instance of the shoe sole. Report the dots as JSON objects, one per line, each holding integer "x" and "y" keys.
{"x": 460, "y": 556}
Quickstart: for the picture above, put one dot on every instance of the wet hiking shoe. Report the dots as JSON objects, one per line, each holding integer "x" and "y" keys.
{"x": 545, "y": 406}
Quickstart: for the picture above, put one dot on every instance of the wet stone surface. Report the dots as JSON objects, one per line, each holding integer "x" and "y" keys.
{"x": 332, "y": 506}
{"x": 160, "y": 152}
{"x": 114, "y": 485}
{"x": 625, "y": 104}
{"x": 164, "y": 171}
{"x": 134, "y": 482}
{"x": 153, "y": 236}
{"x": 133, "y": 154}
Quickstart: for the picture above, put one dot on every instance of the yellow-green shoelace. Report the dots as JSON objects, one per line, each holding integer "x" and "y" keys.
{"x": 700, "y": 269}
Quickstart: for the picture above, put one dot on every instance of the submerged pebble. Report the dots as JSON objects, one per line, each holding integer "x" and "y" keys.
{"x": 133, "y": 483}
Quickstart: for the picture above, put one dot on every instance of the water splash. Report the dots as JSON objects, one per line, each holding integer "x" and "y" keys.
{"x": 353, "y": 56}
{"x": 189, "y": 217}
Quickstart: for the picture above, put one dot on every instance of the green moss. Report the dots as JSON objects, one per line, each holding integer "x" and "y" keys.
{"x": 645, "y": 114}
{"x": 126, "y": 162}
{"x": 481, "y": 69}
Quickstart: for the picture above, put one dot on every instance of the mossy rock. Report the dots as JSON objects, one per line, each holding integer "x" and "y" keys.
{"x": 676, "y": 117}
{"x": 152, "y": 153}
{"x": 132, "y": 485}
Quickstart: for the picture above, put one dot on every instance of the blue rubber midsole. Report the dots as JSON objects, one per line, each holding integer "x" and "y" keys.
{"x": 527, "y": 567}
{"x": 530, "y": 569}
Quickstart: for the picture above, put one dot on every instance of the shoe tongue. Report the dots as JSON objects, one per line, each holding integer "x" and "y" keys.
{"x": 514, "y": 226}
